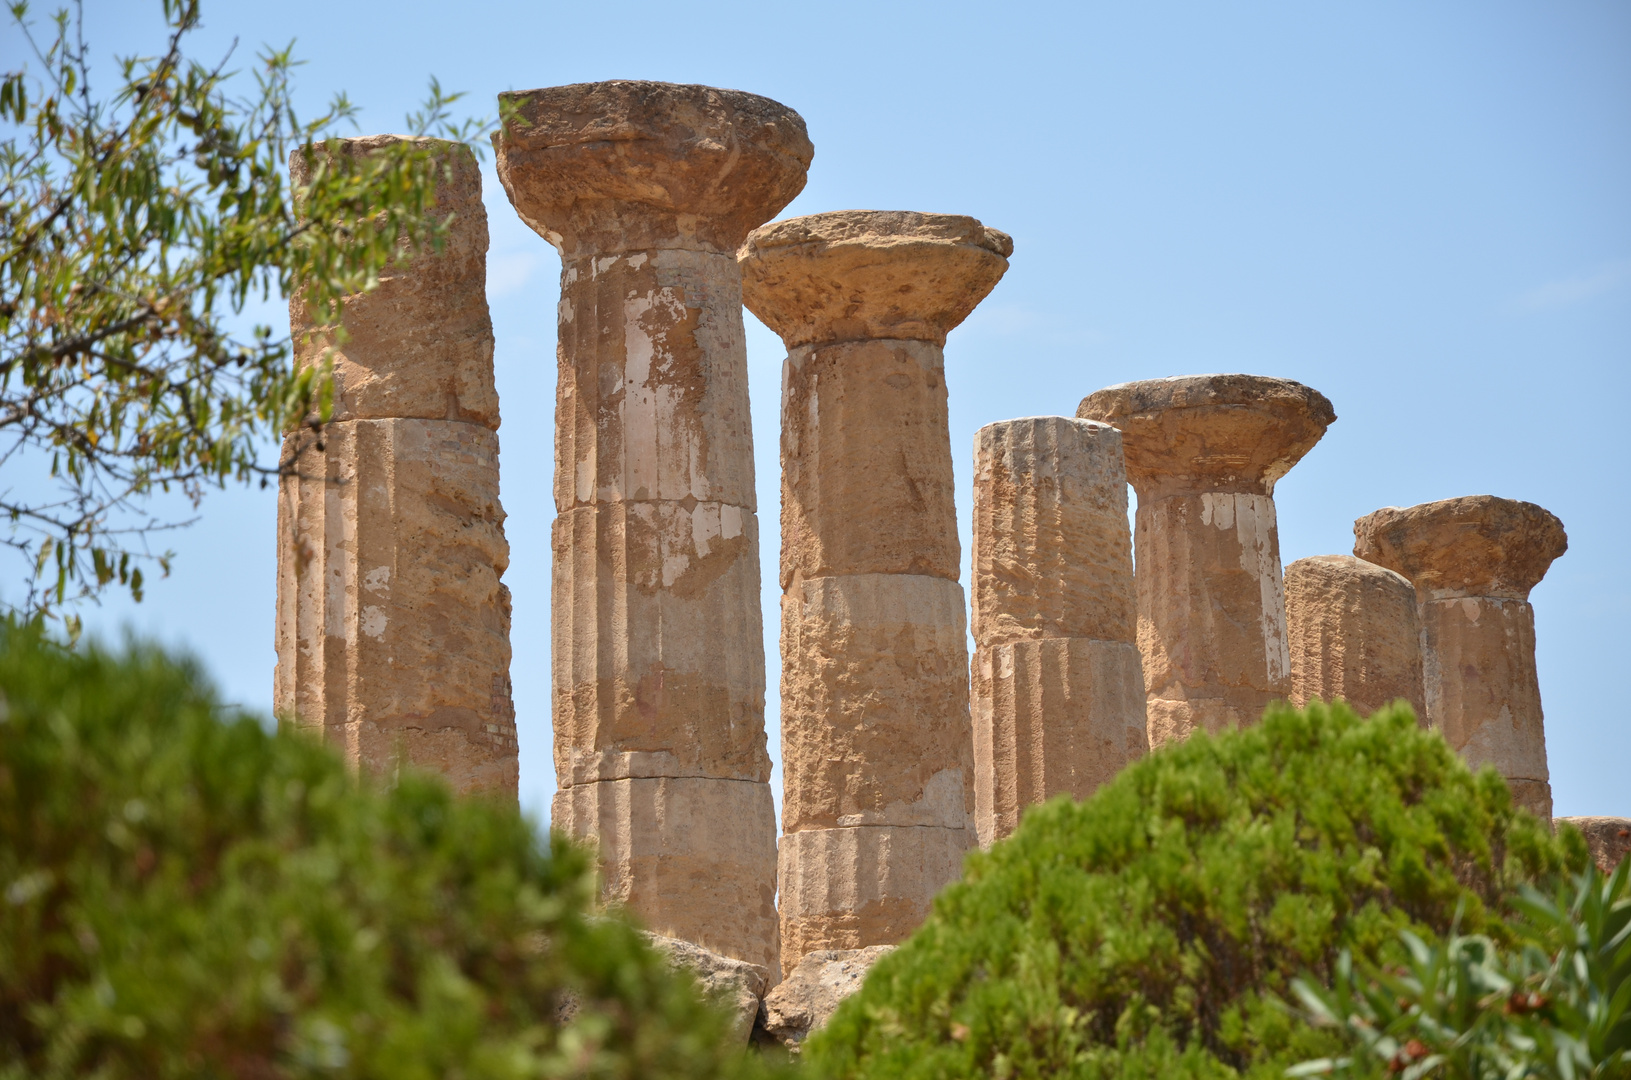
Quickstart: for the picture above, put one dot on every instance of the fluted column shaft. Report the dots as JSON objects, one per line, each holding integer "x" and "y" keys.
{"x": 1354, "y": 634}
{"x": 393, "y": 623}
{"x": 646, "y": 189}
{"x": 1473, "y": 561}
{"x": 1204, "y": 453}
{"x": 1058, "y": 690}
{"x": 876, "y": 745}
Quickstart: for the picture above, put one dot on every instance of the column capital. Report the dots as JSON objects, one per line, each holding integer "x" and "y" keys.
{"x": 870, "y": 274}
{"x": 600, "y": 168}
{"x": 1193, "y": 434}
{"x": 1476, "y": 545}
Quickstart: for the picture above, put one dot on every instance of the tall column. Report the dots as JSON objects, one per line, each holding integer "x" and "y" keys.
{"x": 393, "y": 627}
{"x": 1473, "y": 561}
{"x": 646, "y": 189}
{"x": 1204, "y": 453}
{"x": 876, "y": 747}
{"x": 1353, "y": 633}
{"x": 1058, "y": 688}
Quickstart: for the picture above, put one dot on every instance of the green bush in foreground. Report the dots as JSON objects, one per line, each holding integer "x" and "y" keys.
{"x": 1557, "y": 1006}
{"x": 1154, "y": 930}
{"x": 184, "y": 894}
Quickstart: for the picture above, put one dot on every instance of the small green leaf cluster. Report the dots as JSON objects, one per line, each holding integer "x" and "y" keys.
{"x": 1154, "y": 929}
{"x": 184, "y": 894}
{"x": 1554, "y": 1006}
{"x": 135, "y": 227}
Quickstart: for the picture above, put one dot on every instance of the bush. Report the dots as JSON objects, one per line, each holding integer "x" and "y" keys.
{"x": 1154, "y": 929}
{"x": 186, "y": 894}
{"x": 1556, "y": 1007}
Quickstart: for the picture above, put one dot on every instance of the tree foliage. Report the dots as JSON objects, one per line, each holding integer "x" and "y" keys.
{"x": 1154, "y": 929}
{"x": 135, "y": 229}
{"x": 1554, "y": 1006}
{"x": 183, "y": 894}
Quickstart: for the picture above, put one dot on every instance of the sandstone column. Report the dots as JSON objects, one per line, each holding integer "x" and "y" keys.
{"x": 1353, "y": 633}
{"x": 393, "y": 628}
{"x": 1204, "y": 453}
{"x": 647, "y": 189}
{"x": 1058, "y": 688}
{"x": 876, "y": 746}
{"x": 1473, "y": 561}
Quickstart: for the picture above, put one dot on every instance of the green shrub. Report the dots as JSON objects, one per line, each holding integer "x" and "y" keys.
{"x": 1154, "y": 929}
{"x": 183, "y": 893}
{"x": 1555, "y": 1007}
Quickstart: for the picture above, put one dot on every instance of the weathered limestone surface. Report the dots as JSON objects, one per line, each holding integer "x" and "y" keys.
{"x": 736, "y": 984}
{"x": 876, "y": 744}
{"x": 1204, "y": 453}
{"x": 421, "y": 344}
{"x": 1058, "y": 716}
{"x": 1473, "y": 561}
{"x": 646, "y": 190}
{"x": 687, "y": 854}
{"x": 1058, "y": 691}
{"x": 392, "y": 622}
{"x": 1609, "y": 838}
{"x": 1354, "y": 634}
{"x": 804, "y": 1001}
{"x": 847, "y": 887}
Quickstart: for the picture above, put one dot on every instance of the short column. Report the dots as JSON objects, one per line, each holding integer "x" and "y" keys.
{"x": 1353, "y": 634}
{"x": 1473, "y": 561}
{"x": 393, "y": 626}
{"x": 1204, "y": 453}
{"x": 1058, "y": 694}
{"x": 647, "y": 189}
{"x": 876, "y": 748}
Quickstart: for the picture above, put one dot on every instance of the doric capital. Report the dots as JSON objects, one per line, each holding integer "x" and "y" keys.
{"x": 628, "y": 166}
{"x": 1477, "y": 545}
{"x": 868, "y": 274}
{"x": 1211, "y": 433}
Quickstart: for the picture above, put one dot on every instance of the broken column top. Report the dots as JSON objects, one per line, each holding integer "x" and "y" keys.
{"x": 1477, "y": 545}
{"x": 855, "y": 275}
{"x": 1211, "y": 433}
{"x": 629, "y": 165}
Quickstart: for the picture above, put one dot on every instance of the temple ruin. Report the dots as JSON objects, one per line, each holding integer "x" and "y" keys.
{"x": 1093, "y": 643}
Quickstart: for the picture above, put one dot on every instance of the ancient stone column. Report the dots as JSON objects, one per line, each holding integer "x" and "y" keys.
{"x": 393, "y": 627}
{"x": 1353, "y": 634}
{"x": 876, "y": 747}
{"x": 1058, "y": 688}
{"x": 647, "y": 189}
{"x": 1204, "y": 453}
{"x": 1473, "y": 561}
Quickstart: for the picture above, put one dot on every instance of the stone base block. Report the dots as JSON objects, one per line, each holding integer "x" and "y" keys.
{"x": 1053, "y": 717}
{"x": 854, "y": 887}
{"x": 875, "y": 724}
{"x": 691, "y": 858}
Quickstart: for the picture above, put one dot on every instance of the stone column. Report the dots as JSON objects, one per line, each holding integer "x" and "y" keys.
{"x": 1204, "y": 453}
{"x": 393, "y": 627}
{"x": 1353, "y": 633}
{"x": 646, "y": 190}
{"x": 1473, "y": 561}
{"x": 1058, "y": 688}
{"x": 876, "y": 747}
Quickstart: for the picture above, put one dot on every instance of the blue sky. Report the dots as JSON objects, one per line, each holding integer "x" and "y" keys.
{"x": 1422, "y": 210}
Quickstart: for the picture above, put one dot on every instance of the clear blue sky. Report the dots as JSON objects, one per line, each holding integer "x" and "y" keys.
{"x": 1422, "y": 210}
